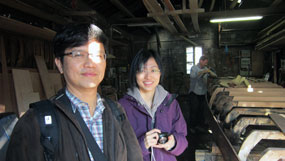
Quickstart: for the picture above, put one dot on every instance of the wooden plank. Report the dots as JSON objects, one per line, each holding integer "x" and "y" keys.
{"x": 213, "y": 96}
{"x": 258, "y": 94}
{"x": 212, "y": 5}
{"x": 261, "y": 104}
{"x": 5, "y": 78}
{"x": 153, "y": 7}
{"x": 279, "y": 120}
{"x": 254, "y": 138}
{"x": 2, "y": 108}
{"x": 193, "y": 4}
{"x": 176, "y": 12}
{"x": 273, "y": 154}
{"x": 258, "y": 99}
{"x": 243, "y": 122}
{"x": 176, "y": 17}
{"x": 26, "y": 29}
{"x": 24, "y": 90}
{"x": 258, "y": 90}
{"x": 236, "y": 112}
{"x": 45, "y": 79}
{"x": 18, "y": 5}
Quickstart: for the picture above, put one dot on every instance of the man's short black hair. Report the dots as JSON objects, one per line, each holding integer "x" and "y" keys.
{"x": 138, "y": 62}
{"x": 75, "y": 35}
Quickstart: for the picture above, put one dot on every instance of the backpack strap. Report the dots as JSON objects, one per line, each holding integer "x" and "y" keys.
{"x": 91, "y": 143}
{"x": 117, "y": 112}
{"x": 48, "y": 123}
{"x": 172, "y": 97}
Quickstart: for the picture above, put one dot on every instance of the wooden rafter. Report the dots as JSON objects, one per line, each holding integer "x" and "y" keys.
{"x": 153, "y": 6}
{"x": 33, "y": 11}
{"x": 176, "y": 17}
{"x": 193, "y": 4}
{"x": 25, "y": 29}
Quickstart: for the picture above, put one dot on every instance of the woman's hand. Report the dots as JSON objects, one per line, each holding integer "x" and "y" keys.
{"x": 151, "y": 138}
{"x": 168, "y": 145}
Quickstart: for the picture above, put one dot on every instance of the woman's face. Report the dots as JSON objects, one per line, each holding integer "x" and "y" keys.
{"x": 148, "y": 77}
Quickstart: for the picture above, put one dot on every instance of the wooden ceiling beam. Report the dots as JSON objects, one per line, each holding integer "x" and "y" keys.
{"x": 275, "y": 2}
{"x": 153, "y": 6}
{"x": 176, "y": 12}
{"x": 33, "y": 11}
{"x": 125, "y": 10}
{"x": 176, "y": 18}
{"x": 212, "y": 5}
{"x": 244, "y": 12}
{"x": 119, "y": 5}
{"x": 25, "y": 29}
{"x": 233, "y": 4}
{"x": 193, "y": 4}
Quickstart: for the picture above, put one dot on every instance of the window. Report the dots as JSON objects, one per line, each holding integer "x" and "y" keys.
{"x": 193, "y": 55}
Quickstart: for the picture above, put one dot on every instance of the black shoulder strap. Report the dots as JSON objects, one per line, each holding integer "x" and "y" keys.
{"x": 118, "y": 113}
{"x": 91, "y": 143}
{"x": 47, "y": 119}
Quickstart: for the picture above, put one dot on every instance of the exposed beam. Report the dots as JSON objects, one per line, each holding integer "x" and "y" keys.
{"x": 176, "y": 17}
{"x": 184, "y": 4}
{"x": 125, "y": 10}
{"x": 200, "y": 3}
{"x": 153, "y": 6}
{"x": 33, "y": 11}
{"x": 122, "y": 7}
{"x": 193, "y": 4}
{"x": 276, "y": 2}
{"x": 212, "y": 5}
{"x": 176, "y": 12}
{"x": 188, "y": 40}
{"x": 79, "y": 13}
{"x": 134, "y": 20}
{"x": 233, "y": 4}
{"x": 245, "y": 12}
{"x": 25, "y": 29}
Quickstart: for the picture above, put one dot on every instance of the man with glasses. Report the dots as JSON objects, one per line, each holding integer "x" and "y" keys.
{"x": 87, "y": 124}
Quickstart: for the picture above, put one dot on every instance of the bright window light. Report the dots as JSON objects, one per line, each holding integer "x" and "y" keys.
{"x": 236, "y": 19}
{"x": 193, "y": 55}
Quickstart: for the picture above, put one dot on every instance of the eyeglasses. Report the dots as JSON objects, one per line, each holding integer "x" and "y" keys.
{"x": 80, "y": 55}
{"x": 149, "y": 71}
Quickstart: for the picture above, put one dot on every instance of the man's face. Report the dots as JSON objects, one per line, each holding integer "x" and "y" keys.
{"x": 203, "y": 63}
{"x": 86, "y": 71}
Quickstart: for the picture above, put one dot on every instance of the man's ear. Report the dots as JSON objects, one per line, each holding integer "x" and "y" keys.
{"x": 59, "y": 65}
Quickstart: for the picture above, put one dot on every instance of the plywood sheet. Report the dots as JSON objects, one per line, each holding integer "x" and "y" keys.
{"x": 24, "y": 90}
{"x": 45, "y": 79}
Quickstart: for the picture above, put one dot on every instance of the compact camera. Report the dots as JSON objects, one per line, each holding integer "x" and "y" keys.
{"x": 162, "y": 137}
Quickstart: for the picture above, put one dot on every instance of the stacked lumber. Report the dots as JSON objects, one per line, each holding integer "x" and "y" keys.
{"x": 28, "y": 86}
{"x": 253, "y": 120}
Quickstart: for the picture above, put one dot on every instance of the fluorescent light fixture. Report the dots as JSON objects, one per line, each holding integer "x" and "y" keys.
{"x": 236, "y": 19}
